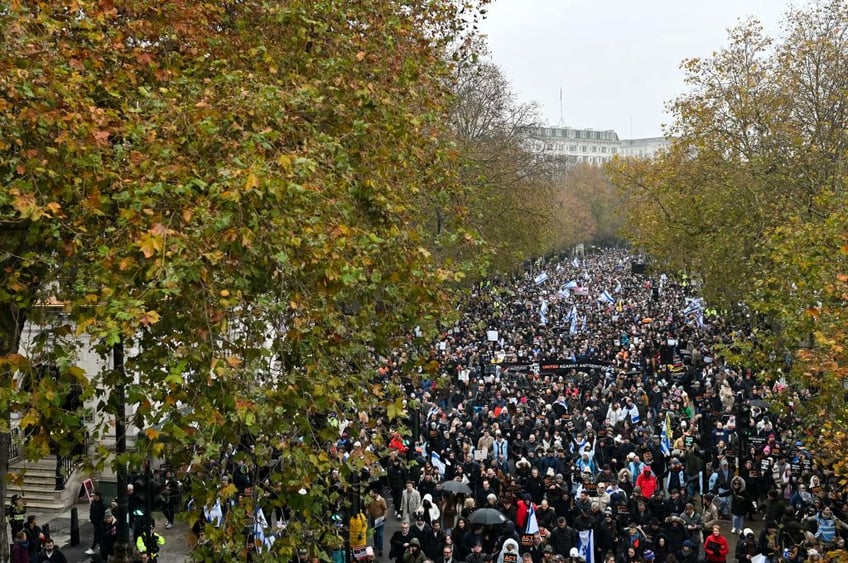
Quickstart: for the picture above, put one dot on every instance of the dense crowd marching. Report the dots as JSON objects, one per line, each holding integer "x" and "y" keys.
{"x": 582, "y": 412}
{"x": 591, "y": 407}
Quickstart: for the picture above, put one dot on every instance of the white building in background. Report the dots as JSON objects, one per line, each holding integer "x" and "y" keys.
{"x": 642, "y": 148}
{"x": 589, "y": 145}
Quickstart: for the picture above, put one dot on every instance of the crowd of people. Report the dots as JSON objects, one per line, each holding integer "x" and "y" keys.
{"x": 589, "y": 404}
{"x": 582, "y": 411}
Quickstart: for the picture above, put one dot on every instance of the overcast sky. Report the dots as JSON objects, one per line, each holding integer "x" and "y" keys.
{"x": 617, "y": 61}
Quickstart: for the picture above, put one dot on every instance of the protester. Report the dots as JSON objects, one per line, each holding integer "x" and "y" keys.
{"x": 50, "y": 553}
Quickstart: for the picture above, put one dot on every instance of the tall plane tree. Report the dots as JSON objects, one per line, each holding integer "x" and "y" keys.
{"x": 229, "y": 191}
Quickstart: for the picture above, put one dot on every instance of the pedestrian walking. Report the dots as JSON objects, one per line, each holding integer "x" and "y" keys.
{"x": 378, "y": 509}
{"x": 171, "y": 497}
{"x": 97, "y": 516}
{"x": 108, "y": 536}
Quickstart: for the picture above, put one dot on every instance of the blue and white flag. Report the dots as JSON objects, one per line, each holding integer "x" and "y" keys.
{"x": 564, "y": 293}
{"x": 573, "y": 314}
{"x": 575, "y": 262}
{"x": 571, "y": 285}
{"x": 693, "y": 306}
{"x": 605, "y": 297}
{"x": 260, "y": 539}
{"x": 437, "y": 462}
{"x": 541, "y": 278}
{"x": 543, "y": 312}
{"x": 665, "y": 436}
{"x": 586, "y": 545}
{"x": 532, "y": 522}
{"x": 617, "y": 286}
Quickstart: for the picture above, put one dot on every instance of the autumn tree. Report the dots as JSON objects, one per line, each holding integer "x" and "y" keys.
{"x": 511, "y": 197}
{"x": 751, "y": 196}
{"x": 228, "y": 191}
{"x": 590, "y": 206}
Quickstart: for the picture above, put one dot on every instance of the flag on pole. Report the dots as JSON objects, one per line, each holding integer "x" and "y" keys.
{"x": 532, "y": 522}
{"x": 605, "y": 297}
{"x": 543, "y": 312}
{"x": 573, "y": 328}
{"x": 586, "y": 545}
{"x": 665, "y": 436}
{"x": 575, "y": 262}
{"x": 571, "y": 285}
{"x": 541, "y": 278}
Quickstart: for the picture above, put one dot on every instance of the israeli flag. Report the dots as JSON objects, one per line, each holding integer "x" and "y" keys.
{"x": 575, "y": 262}
{"x": 605, "y": 297}
{"x": 665, "y": 436}
{"x": 694, "y": 306}
{"x": 586, "y": 545}
{"x": 564, "y": 293}
{"x": 573, "y": 328}
{"x": 541, "y": 278}
{"x": 617, "y": 286}
{"x": 437, "y": 462}
{"x": 634, "y": 415}
{"x": 543, "y": 312}
{"x": 532, "y": 522}
{"x": 571, "y": 285}
{"x": 215, "y": 513}
{"x": 260, "y": 524}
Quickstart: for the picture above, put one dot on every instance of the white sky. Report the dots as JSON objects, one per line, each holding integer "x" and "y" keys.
{"x": 617, "y": 61}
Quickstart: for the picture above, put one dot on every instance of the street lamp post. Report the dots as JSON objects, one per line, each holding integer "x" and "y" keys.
{"x": 120, "y": 450}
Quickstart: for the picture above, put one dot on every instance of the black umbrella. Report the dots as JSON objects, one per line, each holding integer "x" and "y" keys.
{"x": 456, "y": 487}
{"x": 487, "y": 517}
{"x": 759, "y": 403}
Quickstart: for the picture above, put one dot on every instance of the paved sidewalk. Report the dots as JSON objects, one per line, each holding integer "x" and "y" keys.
{"x": 175, "y": 550}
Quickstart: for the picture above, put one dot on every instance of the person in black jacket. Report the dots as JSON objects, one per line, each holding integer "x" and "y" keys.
{"x": 16, "y": 514}
{"x": 400, "y": 541}
{"x": 96, "y": 515}
{"x": 50, "y": 553}
{"x": 563, "y": 537}
{"x": 109, "y": 535}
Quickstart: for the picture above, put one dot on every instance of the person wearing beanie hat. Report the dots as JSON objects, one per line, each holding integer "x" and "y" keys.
{"x": 688, "y": 553}
{"x": 109, "y": 535}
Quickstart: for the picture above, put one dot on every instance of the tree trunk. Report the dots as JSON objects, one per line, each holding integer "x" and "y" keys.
{"x": 5, "y": 446}
{"x": 12, "y": 321}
